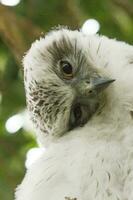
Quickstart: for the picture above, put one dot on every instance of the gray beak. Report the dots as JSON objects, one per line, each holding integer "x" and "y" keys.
{"x": 92, "y": 86}
{"x": 87, "y": 99}
{"x": 101, "y": 83}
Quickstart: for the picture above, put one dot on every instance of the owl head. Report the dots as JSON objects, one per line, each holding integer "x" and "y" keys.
{"x": 64, "y": 85}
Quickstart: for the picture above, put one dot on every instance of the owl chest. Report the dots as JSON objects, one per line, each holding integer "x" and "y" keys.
{"x": 95, "y": 172}
{"x": 98, "y": 172}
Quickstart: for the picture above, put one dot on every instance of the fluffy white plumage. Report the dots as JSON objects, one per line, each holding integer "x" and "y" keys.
{"x": 94, "y": 162}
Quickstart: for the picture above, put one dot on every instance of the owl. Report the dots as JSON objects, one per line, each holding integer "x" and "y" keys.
{"x": 79, "y": 92}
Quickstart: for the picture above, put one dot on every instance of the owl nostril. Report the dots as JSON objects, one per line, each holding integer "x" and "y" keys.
{"x": 90, "y": 92}
{"x": 88, "y": 82}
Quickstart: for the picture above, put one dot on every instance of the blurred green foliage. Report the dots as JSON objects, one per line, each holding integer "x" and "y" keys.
{"x": 19, "y": 26}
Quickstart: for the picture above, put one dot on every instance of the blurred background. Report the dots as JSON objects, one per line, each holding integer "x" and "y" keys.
{"x": 21, "y": 22}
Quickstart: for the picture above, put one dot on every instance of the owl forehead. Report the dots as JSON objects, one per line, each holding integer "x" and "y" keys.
{"x": 65, "y": 48}
{"x": 42, "y": 61}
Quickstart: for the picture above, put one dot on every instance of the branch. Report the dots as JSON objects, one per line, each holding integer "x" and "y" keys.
{"x": 17, "y": 33}
{"x": 126, "y": 5}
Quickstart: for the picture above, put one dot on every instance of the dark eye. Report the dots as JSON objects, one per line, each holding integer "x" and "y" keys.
{"x": 66, "y": 69}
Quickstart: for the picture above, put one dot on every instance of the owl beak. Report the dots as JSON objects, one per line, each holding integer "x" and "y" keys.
{"x": 87, "y": 99}
{"x": 100, "y": 84}
{"x": 92, "y": 86}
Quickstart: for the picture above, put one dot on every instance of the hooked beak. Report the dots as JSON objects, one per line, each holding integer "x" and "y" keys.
{"x": 100, "y": 84}
{"x": 92, "y": 86}
{"x": 87, "y": 101}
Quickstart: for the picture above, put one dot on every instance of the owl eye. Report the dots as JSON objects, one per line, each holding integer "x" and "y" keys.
{"x": 66, "y": 69}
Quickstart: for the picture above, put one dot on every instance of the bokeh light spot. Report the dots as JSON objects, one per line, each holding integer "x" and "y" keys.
{"x": 32, "y": 155}
{"x": 90, "y": 27}
{"x": 10, "y": 2}
{"x": 14, "y": 123}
